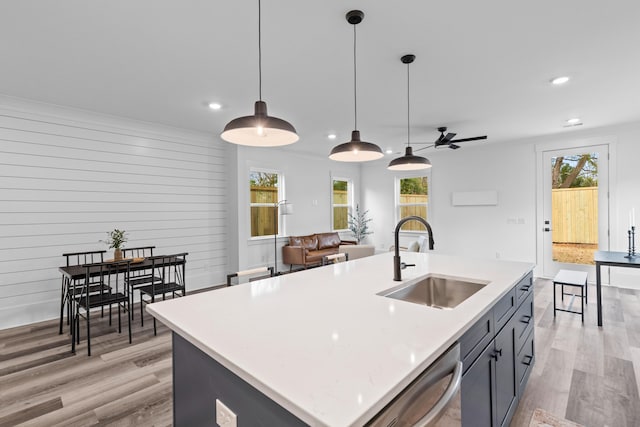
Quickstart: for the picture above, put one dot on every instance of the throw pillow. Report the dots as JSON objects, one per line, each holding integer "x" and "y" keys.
{"x": 414, "y": 246}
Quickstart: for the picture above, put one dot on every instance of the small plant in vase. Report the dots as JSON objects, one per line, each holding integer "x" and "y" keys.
{"x": 359, "y": 224}
{"x": 116, "y": 240}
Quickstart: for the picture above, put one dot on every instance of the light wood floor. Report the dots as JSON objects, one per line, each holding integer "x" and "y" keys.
{"x": 582, "y": 373}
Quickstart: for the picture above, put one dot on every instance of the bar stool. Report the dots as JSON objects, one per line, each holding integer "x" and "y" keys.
{"x": 575, "y": 279}
{"x": 335, "y": 258}
{"x": 251, "y": 275}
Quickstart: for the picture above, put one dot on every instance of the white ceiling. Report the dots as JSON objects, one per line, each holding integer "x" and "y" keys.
{"x": 482, "y": 67}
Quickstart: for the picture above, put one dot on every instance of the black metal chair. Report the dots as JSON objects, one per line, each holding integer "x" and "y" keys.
{"x": 140, "y": 277}
{"x": 114, "y": 275}
{"x": 77, "y": 258}
{"x": 169, "y": 279}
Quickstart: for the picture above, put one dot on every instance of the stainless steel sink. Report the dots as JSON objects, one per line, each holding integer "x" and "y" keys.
{"x": 436, "y": 291}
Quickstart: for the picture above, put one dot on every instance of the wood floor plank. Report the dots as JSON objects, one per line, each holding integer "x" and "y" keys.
{"x": 86, "y": 404}
{"x": 29, "y": 411}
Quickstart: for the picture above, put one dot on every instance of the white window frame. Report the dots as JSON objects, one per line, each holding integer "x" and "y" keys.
{"x": 350, "y": 199}
{"x": 281, "y": 196}
{"x": 398, "y": 205}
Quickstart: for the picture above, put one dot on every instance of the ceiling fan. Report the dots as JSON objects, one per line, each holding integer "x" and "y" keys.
{"x": 447, "y": 140}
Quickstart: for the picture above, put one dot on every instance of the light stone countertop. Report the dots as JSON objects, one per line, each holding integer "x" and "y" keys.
{"x": 322, "y": 343}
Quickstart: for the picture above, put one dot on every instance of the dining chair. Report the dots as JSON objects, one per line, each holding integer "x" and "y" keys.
{"x": 71, "y": 259}
{"x": 114, "y": 275}
{"x": 169, "y": 279}
{"x": 138, "y": 278}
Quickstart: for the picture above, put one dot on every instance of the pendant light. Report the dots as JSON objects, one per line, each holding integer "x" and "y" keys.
{"x": 355, "y": 150}
{"x": 259, "y": 130}
{"x": 408, "y": 162}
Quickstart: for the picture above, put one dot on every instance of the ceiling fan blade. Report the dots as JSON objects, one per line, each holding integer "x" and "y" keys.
{"x": 453, "y": 146}
{"x": 447, "y": 138}
{"x": 475, "y": 138}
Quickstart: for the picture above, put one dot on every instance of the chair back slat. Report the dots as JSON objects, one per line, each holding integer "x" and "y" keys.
{"x": 140, "y": 252}
{"x": 82, "y": 258}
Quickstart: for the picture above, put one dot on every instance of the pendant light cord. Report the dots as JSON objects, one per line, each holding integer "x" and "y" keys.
{"x": 355, "y": 82}
{"x": 408, "y": 109}
{"x": 259, "y": 52}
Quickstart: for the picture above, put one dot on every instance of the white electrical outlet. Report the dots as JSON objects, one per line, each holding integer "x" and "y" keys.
{"x": 225, "y": 416}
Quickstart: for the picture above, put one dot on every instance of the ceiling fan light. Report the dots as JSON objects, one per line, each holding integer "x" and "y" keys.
{"x": 409, "y": 162}
{"x": 356, "y": 150}
{"x": 259, "y": 130}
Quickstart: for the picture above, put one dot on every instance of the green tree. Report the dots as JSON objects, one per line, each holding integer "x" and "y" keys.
{"x": 575, "y": 171}
{"x": 414, "y": 185}
{"x": 263, "y": 179}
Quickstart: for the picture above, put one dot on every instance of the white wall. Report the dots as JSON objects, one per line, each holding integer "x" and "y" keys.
{"x": 307, "y": 187}
{"x": 478, "y": 231}
{"x": 510, "y": 229}
{"x": 68, "y": 176}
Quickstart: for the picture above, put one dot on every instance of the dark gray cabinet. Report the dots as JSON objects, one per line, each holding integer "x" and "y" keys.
{"x": 495, "y": 375}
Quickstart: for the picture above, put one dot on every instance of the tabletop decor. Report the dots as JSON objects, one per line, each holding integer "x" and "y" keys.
{"x": 631, "y": 232}
{"x": 116, "y": 240}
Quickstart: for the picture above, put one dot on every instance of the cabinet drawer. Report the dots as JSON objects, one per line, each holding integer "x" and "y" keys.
{"x": 476, "y": 339}
{"x": 524, "y": 321}
{"x": 524, "y": 288}
{"x": 524, "y": 362}
{"x": 504, "y": 309}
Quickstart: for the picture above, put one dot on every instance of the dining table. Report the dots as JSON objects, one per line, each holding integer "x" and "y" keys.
{"x": 71, "y": 274}
{"x": 611, "y": 259}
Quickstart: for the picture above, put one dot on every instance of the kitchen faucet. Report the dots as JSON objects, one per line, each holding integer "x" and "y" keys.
{"x": 397, "y": 265}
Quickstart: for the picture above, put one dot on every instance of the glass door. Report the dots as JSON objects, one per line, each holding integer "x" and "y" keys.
{"x": 576, "y": 208}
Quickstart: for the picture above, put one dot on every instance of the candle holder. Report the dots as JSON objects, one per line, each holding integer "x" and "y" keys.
{"x": 631, "y": 251}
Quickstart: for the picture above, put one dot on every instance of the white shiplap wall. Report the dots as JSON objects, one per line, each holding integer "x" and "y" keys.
{"x": 67, "y": 177}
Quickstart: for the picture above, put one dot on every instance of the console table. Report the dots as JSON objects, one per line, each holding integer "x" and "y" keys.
{"x": 612, "y": 259}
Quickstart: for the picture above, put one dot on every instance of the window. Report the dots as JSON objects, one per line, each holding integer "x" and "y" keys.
{"x": 266, "y": 189}
{"x": 412, "y": 199}
{"x": 342, "y": 202}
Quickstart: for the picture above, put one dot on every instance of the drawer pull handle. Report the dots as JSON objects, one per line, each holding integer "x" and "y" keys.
{"x": 496, "y": 354}
{"x": 526, "y": 319}
{"x": 525, "y": 288}
{"x": 527, "y": 360}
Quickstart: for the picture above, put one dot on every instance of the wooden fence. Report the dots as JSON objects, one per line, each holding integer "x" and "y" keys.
{"x": 262, "y": 220}
{"x": 574, "y": 217}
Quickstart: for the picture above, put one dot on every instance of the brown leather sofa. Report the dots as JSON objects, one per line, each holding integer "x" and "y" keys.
{"x": 309, "y": 250}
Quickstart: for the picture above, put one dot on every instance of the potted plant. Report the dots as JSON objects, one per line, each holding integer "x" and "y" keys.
{"x": 116, "y": 240}
{"x": 359, "y": 224}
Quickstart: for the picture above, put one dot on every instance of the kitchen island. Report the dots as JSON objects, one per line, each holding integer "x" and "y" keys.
{"x": 321, "y": 344}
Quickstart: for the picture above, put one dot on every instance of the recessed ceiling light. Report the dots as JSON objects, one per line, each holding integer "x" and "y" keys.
{"x": 574, "y": 121}
{"x": 560, "y": 80}
{"x": 215, "y": 106}
{"x": 389, "y": 151}
{"x": 331, "y": 136}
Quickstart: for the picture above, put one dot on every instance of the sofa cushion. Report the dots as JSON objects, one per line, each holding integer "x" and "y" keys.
{"x": 308, "y": 242}
{"x": 328, "y": 240}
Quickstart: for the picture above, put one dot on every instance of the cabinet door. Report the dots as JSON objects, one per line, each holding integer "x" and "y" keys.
{"x": 478, "y": 391}
{"x": 506, "y": 383}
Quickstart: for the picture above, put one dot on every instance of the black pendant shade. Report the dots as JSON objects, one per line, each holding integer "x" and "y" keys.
{"x": 355, "y": 150}
{"x": 408, "y": 162}
{"x": 259, "y": 130}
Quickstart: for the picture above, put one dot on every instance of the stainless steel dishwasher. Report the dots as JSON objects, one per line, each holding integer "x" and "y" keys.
{"x": 432, "y": 399}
